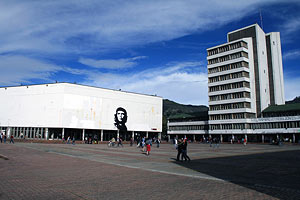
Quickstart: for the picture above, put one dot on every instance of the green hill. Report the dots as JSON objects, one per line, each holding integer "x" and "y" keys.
{"x": 173, "y": 110}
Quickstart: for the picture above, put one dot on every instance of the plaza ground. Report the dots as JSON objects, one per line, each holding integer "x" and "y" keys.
{"x": 84, "y": 171}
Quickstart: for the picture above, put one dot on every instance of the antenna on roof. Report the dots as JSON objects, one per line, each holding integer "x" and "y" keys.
{"x": 261, "y": 20}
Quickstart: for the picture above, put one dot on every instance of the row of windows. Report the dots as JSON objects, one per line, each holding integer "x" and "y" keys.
{"x": 232, "y": 116}
{"x": 188, "y": 127}
{"x": 230, "y": 106}
{"x": 273, "y": 125}
{"x": 228, "y": 77}
{"x": 270, "y": 125}
{"x": 226, "y": 126}
{"x": 228, "y": 67}
{"x": 227, "y": 48}
{"x": 228, "y": 57}
{"x": 229, "y": 86}
{"x": 236, "y": 95}
{"x": 241, "y": 126}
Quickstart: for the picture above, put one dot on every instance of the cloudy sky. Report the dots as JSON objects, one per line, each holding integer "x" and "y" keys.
{"x": 150, "y": 47}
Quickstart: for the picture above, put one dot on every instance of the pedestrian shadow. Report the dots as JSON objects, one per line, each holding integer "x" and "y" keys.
{"x": 276, "y": 174}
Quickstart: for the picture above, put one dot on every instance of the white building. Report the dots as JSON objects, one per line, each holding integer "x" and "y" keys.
{"x": 56, "y": 111}
{"x": 245, "y": 77}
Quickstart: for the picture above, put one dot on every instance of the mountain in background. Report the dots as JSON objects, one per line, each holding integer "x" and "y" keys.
{"x": 295, "y": 100}
{"x": 173, "y": 110}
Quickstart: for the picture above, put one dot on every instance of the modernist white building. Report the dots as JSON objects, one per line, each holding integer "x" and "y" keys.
{"x": 56, "y": 111}
{"x": 245, "y": 77}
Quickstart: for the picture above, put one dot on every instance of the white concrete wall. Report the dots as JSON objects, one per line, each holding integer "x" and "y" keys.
{"x": 277, "y": 68}
{"x": 76, "y": 106}
{"x": 251, "y": 74}
{"x": 263, "y": 68}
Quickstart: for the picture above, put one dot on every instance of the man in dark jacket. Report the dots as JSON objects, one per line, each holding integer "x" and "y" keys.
{"x": 179, "y": 149}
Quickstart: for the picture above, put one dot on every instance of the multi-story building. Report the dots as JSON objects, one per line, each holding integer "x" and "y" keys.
{"x": 245, "y": 77}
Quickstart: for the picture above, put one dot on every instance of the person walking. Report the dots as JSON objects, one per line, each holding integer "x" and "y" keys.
{"x": 120, "y": 142}
{"x": 157, "y": 142}
{"x": 68, "y": 140}
{"x": 148, "y": 149}
{"x": 73, "y": 140}
{"x": 1, "y": 136}
{"x": 179, "y": 149}
{"x": 4, "y": 138}
{"x": 11, "y": 139}
{"x": 184, "y": 151}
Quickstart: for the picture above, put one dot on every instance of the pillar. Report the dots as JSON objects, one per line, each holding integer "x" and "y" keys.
{"x": 294, "y": 138}
{"x": 263, "y": 138}
{"x": 8, "y": 132}
{"x": 30, "y": 132}
{"x": 101, "y": 135}
{"x": 159, "y": 136}
{"x": 34, "y": 133}
{"x": 46, "y": 134}
{"x": 63, "y": 133}
{"x": 27, "y": 132}
{"x": 42, "y": 133}
{"x": 83, "y": 132}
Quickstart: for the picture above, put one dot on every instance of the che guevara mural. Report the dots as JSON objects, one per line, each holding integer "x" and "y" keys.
{"x": 121, "y": 119}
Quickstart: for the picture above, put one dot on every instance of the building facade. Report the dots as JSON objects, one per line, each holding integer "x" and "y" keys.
{"x": 60, "y": 110}
{"x": 245, "y": 77}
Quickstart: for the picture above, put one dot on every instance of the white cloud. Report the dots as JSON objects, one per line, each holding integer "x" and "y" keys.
{"x": 111, "y": 64}
{"x": 292, "y": 88}
{"x": 86, "y": 26}
{"x": 294, "y": 54}
{"x": 182, "y": 82}
{"x": 20, "y": 69}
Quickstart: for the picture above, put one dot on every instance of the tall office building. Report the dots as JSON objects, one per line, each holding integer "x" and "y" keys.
{"x": 245, "y": 76}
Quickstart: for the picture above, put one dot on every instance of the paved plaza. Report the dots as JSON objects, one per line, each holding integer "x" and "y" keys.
{"x": 84, "y": 171}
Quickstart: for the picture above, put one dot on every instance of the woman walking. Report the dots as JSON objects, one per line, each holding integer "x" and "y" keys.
{"x": 184, "y": 151}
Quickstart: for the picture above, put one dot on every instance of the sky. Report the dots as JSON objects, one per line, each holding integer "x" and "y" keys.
{"x": 155, "y": 47}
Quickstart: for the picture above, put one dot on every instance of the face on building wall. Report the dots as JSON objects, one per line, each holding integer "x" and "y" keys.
{"x": 121, "y": 119}
{"x": 120, "y": 115}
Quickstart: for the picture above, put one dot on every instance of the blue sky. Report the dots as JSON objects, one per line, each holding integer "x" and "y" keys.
{"x": 149, "y": 47}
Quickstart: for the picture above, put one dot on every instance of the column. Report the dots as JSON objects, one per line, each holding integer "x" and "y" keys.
{"x": 8, "y": 132}
{"x": 221, "y": 138}
{"x": 63, "y": 133}
{"x": 83, "y": 132}
{"x": 46, "y": 134}
{"x": 101, "y": 135}
{"x": 42, "y": 133}
{"x": 294, "y": 138}
{"x": 132, "y": 135}
{"x": 34, "y": 133}
{"x": 27, "y": 132}
{"x": 263, "y": 138}
{"x": 30, "y": 132}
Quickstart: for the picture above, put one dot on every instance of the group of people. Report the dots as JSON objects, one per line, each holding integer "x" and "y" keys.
{"x": 3, "y": 138}
{"x": 181, "y": 146}
{"x": 113, "y": 141}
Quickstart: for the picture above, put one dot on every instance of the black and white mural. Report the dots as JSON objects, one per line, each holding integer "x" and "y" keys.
{"x": 121, "y": 119}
